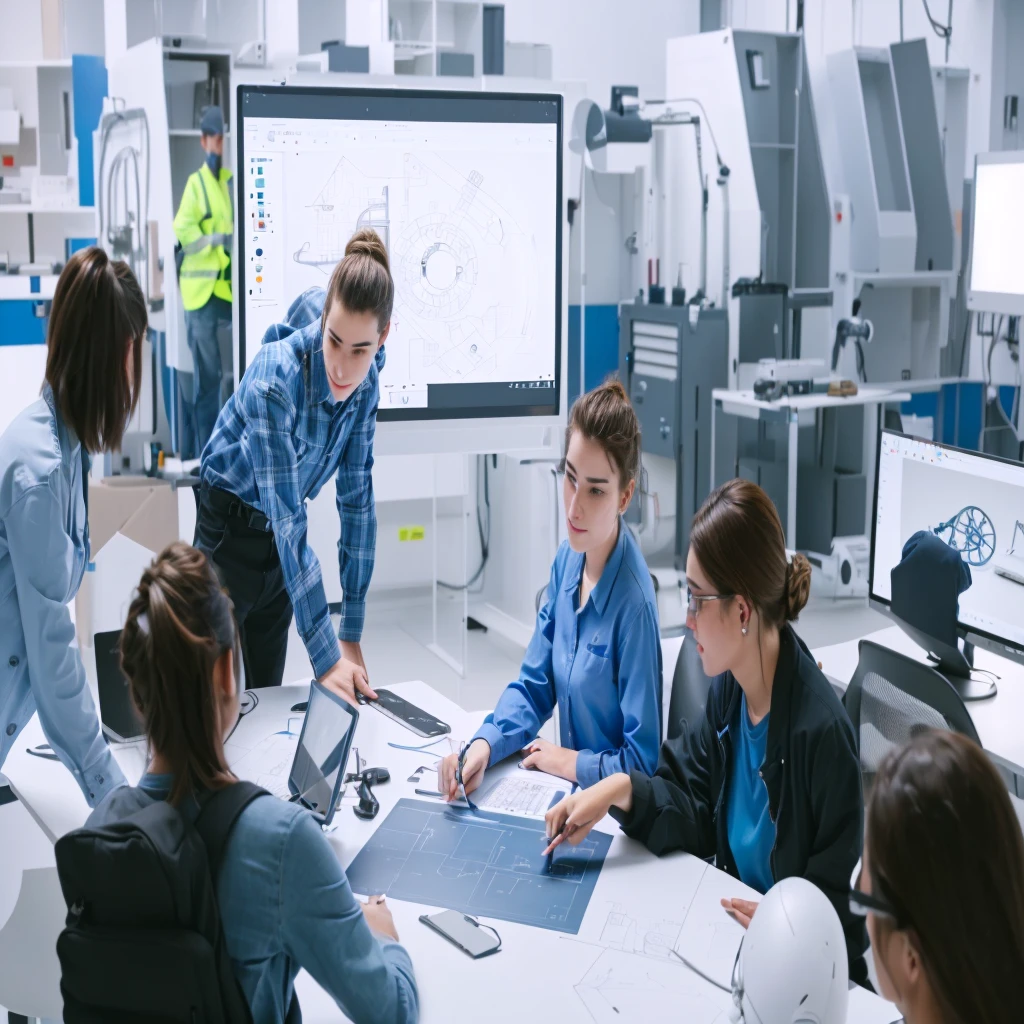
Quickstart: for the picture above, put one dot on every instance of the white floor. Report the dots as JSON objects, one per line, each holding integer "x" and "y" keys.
{"x": 394, "y": 641}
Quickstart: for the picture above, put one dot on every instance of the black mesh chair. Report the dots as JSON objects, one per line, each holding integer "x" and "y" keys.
{"x": 688, "y": 693}
{"x": 892, "y": 698}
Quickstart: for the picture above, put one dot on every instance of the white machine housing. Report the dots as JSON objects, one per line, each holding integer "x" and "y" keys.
{"x": 884, "y": 228}
{"x": 792, "y": 966}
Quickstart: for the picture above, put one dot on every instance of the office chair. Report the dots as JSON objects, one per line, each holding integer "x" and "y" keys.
{"x": 688, "y": 696}
{"x": 892, "y": 698}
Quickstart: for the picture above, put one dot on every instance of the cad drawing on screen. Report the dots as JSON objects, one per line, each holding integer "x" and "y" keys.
{"x": 972, "y": 533}
{"x": 465, "y": 191}
{"x": 465, "y": 272}
{"x": 1010, "y": 564}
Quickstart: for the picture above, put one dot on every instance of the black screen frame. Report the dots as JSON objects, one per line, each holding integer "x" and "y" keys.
{"x": 982, "y": 638}
{"x": 478, "y": 103}
{"x": 344, "y": 746}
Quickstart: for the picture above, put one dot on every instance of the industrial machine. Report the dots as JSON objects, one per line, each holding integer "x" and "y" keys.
{"x": 670, "y": 359}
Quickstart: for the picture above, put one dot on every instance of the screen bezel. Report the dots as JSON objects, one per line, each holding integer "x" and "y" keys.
{"x": 112, "y": 701}
{"x": 487, "y": 412}
{"x": 990, "y": 641}
{"x": 347, "y": 740}
{"x": 1006, "y": 303}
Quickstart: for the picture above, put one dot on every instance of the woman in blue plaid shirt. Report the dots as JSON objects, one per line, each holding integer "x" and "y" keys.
{"x": 305, "y": 411}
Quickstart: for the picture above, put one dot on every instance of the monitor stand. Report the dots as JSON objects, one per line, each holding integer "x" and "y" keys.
{"x": 951, "y": 662}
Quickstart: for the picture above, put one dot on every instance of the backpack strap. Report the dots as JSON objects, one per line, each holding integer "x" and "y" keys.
{"x": 218, "y": 816}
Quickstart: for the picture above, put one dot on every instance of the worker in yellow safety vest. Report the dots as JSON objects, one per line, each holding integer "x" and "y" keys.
{"x": 204, "y": 228}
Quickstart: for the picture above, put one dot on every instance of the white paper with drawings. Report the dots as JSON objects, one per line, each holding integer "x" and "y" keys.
{"x": 634, "y": 975}
{"x": 268, "y": 763}
{"x": 523, "y": 792}
{"x": 710, "y": 936}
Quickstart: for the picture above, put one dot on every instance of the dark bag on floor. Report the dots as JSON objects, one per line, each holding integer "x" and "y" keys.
{"x": 143, "y": 940}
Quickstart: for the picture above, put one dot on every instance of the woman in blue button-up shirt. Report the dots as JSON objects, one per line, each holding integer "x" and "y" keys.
{"x": 93, "y": 369}
{"x": 596, "y": 650}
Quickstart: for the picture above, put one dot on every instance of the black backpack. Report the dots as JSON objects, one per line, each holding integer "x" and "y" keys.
{"x": 143, "y": 940}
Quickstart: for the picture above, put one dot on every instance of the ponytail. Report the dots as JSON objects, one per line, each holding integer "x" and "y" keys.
{"x": 180, "y": 622}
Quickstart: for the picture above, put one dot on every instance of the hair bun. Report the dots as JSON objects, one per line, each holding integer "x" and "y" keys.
{"x": 614, "y": 387}
{"x": 366, "y": 242}
{"x": 798, "y": 586}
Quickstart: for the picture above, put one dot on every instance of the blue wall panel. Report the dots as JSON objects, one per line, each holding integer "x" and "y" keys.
{"x": 19, "y": 324}
{"x": 602, "y": 346}
{"x": 89, "y": 85}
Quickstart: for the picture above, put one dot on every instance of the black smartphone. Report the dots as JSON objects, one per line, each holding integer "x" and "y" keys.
{"x": 400, "y": 710}
{"x": 462, "y": 931}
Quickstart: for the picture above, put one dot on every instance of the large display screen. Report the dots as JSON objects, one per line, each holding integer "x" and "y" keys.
{"x": 465, "y": 191}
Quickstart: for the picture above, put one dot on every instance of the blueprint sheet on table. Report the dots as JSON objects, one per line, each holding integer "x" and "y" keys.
{"x": 491, "y": 866}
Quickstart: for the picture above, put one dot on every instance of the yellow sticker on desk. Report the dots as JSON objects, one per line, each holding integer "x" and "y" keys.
{"x": 411, "y": 533}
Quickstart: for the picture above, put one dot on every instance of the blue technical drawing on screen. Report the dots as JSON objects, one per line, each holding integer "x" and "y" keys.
{"x": 493, "y": 866}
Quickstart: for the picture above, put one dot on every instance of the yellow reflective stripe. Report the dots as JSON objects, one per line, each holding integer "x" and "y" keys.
{"x": 201, "y": 273}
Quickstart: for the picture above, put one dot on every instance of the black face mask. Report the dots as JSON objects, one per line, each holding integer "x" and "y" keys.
{"x": 213, "y": 162}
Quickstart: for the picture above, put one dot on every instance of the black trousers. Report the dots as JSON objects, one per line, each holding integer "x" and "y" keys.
{"x": 244, "y": 554}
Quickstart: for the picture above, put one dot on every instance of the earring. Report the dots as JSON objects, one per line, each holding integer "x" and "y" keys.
{"x": 743, "y": 630}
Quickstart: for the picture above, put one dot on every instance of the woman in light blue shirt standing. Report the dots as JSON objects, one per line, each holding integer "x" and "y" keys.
{"x": 596, "y": 648}
{"x": 93, "y": 369}
{"x": 284, "y": 900}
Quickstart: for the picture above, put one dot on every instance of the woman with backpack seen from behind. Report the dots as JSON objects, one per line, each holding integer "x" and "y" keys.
{"x": 284, "y": 900}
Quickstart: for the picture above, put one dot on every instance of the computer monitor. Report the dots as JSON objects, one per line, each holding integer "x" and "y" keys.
{"x": 996, "y": 275}
{"x": 465, "y": 189}
{"x": 118, "y": 715}
{"x": 974, "y": 502}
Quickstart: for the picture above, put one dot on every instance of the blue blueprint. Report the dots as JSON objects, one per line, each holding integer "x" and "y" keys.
{"x": 489, "y": 865}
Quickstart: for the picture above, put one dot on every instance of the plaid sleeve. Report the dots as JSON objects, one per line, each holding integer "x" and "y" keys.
{"x": 358, "y": 542}
{"x": 302, "y": 312}
{"x": 270, "y": 415}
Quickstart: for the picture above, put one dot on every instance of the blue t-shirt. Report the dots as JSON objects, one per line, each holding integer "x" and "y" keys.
{"x": 751, "y": 829}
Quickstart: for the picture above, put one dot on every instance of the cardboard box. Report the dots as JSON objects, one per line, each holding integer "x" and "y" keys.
{"x": 131, "y": 520}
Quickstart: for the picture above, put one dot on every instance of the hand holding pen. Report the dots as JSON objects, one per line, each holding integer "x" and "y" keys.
{"x": 466, "y": 767}
{"x": 571, "y": 819}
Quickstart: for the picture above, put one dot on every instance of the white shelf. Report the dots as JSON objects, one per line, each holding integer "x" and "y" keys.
{"x": 62, "y": 63}
{"x": 410, "y": 49}
{"x": 29, "y": 208}
{"x": 910, "y": 279}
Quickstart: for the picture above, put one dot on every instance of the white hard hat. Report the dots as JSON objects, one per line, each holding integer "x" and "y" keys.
{"x": 791, "y": 967}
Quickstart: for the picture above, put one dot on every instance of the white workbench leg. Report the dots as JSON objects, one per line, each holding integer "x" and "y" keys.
{"x": 794, "y": 425}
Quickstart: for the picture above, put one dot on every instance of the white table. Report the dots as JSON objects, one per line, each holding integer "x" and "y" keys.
{"x": 788, "y": 409}
{"x": 640, "y": 902}
{"x": 997, "y": 719}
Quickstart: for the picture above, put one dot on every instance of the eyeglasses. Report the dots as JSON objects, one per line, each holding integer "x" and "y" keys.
{"x": 861, "y": 903}
{"x": 694, "y": 601}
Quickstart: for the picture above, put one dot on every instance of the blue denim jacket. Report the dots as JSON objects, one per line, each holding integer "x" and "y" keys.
{"x": 281, "y": 436}
{"x": 601, "y": 664}
{"x": 44, "y": 549}
{"x": 285, "y": 904}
